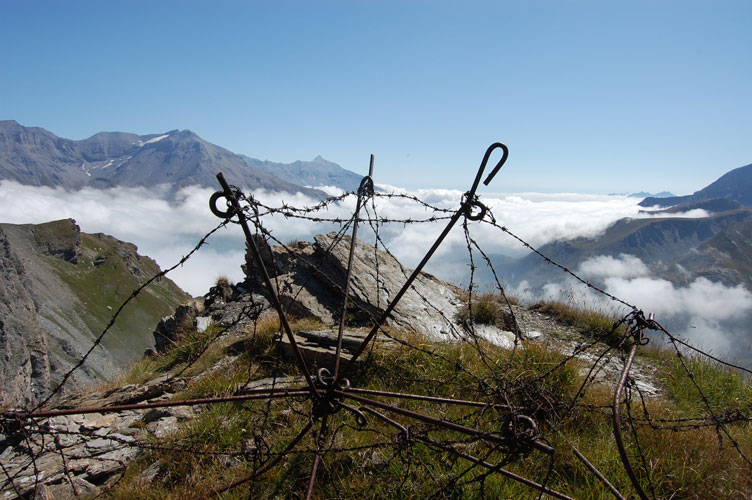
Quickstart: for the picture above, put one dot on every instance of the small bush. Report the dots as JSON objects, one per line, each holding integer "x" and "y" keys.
{"x": 485, "y": 309}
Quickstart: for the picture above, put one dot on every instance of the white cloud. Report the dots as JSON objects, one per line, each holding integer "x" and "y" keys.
{"x": 709, "y": 315}
{"x": 605, "y": 266}
{"x": 166, "y": 231}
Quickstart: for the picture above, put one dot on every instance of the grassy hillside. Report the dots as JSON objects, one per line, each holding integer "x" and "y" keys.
{"x": 101, "y": 279}
{"x": 676, "y": 439}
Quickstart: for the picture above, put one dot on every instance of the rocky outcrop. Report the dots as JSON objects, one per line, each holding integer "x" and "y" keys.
{"x": 83, "y": 455}
{"x": 80, "y": 456}
{"x": 97, "y": 447}
{"x": 311, "y": 280}
{"x": 169, "y": 328}
{"x": 59, "y": 289}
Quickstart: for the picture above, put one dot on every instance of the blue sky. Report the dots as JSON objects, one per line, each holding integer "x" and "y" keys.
{"x": 590, "y": 96}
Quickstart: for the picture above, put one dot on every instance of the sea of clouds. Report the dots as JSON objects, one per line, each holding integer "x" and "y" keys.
{"x": 707, "y": 313}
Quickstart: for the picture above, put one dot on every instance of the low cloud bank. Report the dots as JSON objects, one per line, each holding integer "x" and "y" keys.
{"x": 707, "y": 313}
{"x": 167, "y": 231}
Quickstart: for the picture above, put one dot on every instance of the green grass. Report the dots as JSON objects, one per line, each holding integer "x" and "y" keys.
{"x": 589, "y": 321}
{"x": 486, "y": 309}
{"x": 103, "y": 287}
{"x": 226, "y": 441}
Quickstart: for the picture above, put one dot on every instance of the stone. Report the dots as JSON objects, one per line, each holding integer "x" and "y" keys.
{"x": 163, "y": 427}
{"x": 312, "y": 278}
{"x": 73, "y": 489}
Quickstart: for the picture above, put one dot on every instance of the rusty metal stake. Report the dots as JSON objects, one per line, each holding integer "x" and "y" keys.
{"x": 446, "y": 424}
{"x": 230, "y": 196}
{"x": 598, "y": 474}
{"x": 365, "y": 189}
{"x": 247, "y": 396}
{"x": 637, "y": 332}
{"x": 468, "y": 203}
{"x": 432, "y": 399}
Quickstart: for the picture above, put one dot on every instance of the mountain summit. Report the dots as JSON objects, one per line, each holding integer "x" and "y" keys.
{"x": 178, "y": 158}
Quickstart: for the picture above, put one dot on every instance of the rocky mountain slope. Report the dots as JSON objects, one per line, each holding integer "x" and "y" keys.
{"x": 178, "y": 158}
{"x": 59, "y": 289}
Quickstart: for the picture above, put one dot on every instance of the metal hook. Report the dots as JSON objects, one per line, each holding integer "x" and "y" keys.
{"x": 491, "y": 149}
{"x": 366, "y": 186}
{"x": 360, "y": 418}
{"x": 324, "y": 377}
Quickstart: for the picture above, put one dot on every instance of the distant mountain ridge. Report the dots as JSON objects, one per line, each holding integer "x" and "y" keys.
{"x": 178, "y": 158}
{"x": 717, "y": 246}
{"x": 735, "y": 185}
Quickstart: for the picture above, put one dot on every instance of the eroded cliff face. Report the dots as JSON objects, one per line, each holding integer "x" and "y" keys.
{"x": 58, "y": 291}
{"x": 25, "y": 368}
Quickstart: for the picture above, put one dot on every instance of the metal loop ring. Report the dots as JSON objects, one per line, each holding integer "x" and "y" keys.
{"x": 532, "y": 429}
{"x": 216, "y": 196}
{"x": 323, "y": 377}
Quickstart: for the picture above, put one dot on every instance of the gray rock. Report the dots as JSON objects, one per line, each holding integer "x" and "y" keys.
{"x": 312, "y": 279}
{"x": 74, "y": 489}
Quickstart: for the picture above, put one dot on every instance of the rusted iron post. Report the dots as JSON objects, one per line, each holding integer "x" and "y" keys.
{"x": 446, "y": 424}
{"x": 365, "y": 189}
{"x": 468, "y": 203}
{"x": 637, "y": 327}
{"x": 232, "y": 199}
{"x": 598, "y": 474}
{"x": 248, "y": 396}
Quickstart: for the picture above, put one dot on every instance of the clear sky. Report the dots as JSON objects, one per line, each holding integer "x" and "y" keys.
{"x": 590, "y": 96}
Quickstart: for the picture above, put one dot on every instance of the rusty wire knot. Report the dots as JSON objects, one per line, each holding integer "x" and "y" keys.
{"x": 521, "y": 429}
{"x": 637, "y": 324}
{"x": 366, "y": 188}
{"x": 473, "y": 209}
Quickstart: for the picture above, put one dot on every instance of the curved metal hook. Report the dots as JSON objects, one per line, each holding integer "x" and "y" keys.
{"x": 360, "y": 418}
{"x": 324, "y": 377}
{"x": 366, "y": 186}
{"x": 470, "y": 201}
{"x": 491, "y": 149}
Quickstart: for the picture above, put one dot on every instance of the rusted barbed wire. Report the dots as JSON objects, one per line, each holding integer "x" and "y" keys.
{"x": 500, "y": 397}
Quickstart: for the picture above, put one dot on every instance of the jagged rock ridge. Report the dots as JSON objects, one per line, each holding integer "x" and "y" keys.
{"x": 734, "y": 185}
{"x": 717, "y": 246}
